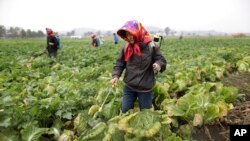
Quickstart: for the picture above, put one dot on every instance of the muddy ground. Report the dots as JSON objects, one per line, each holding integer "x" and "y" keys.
{"x": 240, "y": 115}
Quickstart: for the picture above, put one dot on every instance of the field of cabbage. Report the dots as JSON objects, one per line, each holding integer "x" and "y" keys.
{"x": 44, "y": 99}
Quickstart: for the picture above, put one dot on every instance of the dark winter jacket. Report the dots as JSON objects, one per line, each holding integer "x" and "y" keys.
{"x": 51, "y": 39}
{"x": 52, "y": 49}
{"x": 139, "y": 74}
{"x": 96, "y": 42}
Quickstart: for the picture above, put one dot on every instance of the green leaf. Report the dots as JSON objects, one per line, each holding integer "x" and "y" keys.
{"x": 111, "y": 109}
{"x": 230, "y": 94}
{"x": 32, "y": 133}
{"x": 5, "y": 121}
{"x": 67, "y": 115}
{"x": 9, "y": 135}
{"x": 212, "y": 112}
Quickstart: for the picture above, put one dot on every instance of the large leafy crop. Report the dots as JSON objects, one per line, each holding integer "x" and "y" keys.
{"x": 45, "y": 99}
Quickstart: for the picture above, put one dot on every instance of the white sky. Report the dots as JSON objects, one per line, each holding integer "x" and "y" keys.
{"x": 63, "y": 15}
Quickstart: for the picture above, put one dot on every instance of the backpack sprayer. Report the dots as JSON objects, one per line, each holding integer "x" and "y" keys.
{"x": 158, "y": 39}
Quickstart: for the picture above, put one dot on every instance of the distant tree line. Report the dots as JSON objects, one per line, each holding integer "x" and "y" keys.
{"x": 18, "y": 32}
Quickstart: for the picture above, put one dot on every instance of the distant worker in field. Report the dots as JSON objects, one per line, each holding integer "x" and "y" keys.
{"x": 181, "y": 36}
{"x": 95, "y": 40}
{"x": 52, "y": 43}
{"x": 141, "y": 59}
{"x": 115, "y": 38}
{"x": 158, "y": 39}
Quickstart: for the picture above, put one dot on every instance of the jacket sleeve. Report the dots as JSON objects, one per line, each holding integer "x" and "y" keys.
{"x": 47, "y": 41}
{"x": 119, "y": 66}
{"x": 159, "y": 58}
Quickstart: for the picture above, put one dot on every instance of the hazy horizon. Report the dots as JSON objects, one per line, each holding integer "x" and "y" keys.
{"x": 227, "y": 16}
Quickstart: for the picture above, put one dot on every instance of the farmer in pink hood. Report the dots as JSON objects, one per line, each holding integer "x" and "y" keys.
{"x": 141, "y": 59}
{"x": 95, "y": 40}
{"x": 51, "y": 43}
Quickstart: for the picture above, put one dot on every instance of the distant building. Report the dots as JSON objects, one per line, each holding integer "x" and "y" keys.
{"x": 76, "y": 37}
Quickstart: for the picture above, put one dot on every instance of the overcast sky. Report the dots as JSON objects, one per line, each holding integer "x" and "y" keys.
{"x": 63, "y": 15}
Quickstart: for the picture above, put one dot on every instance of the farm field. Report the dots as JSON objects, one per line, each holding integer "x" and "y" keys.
{"x": 205, "y": 87}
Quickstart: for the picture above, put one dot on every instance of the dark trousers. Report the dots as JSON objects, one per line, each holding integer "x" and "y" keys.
{"x": 52, "y": 51}
{"x": 130, "y": 96}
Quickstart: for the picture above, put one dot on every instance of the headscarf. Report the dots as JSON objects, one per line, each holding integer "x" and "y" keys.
{"x": 50, "y": 32}
{"x": 93, "y": 36}
{"x": 140, "y": 35}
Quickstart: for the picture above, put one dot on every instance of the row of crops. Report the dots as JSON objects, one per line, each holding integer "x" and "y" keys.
{"x": 44, "y": 98}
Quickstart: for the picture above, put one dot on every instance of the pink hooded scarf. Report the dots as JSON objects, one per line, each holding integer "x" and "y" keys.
{"x": 140, "y": 35}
